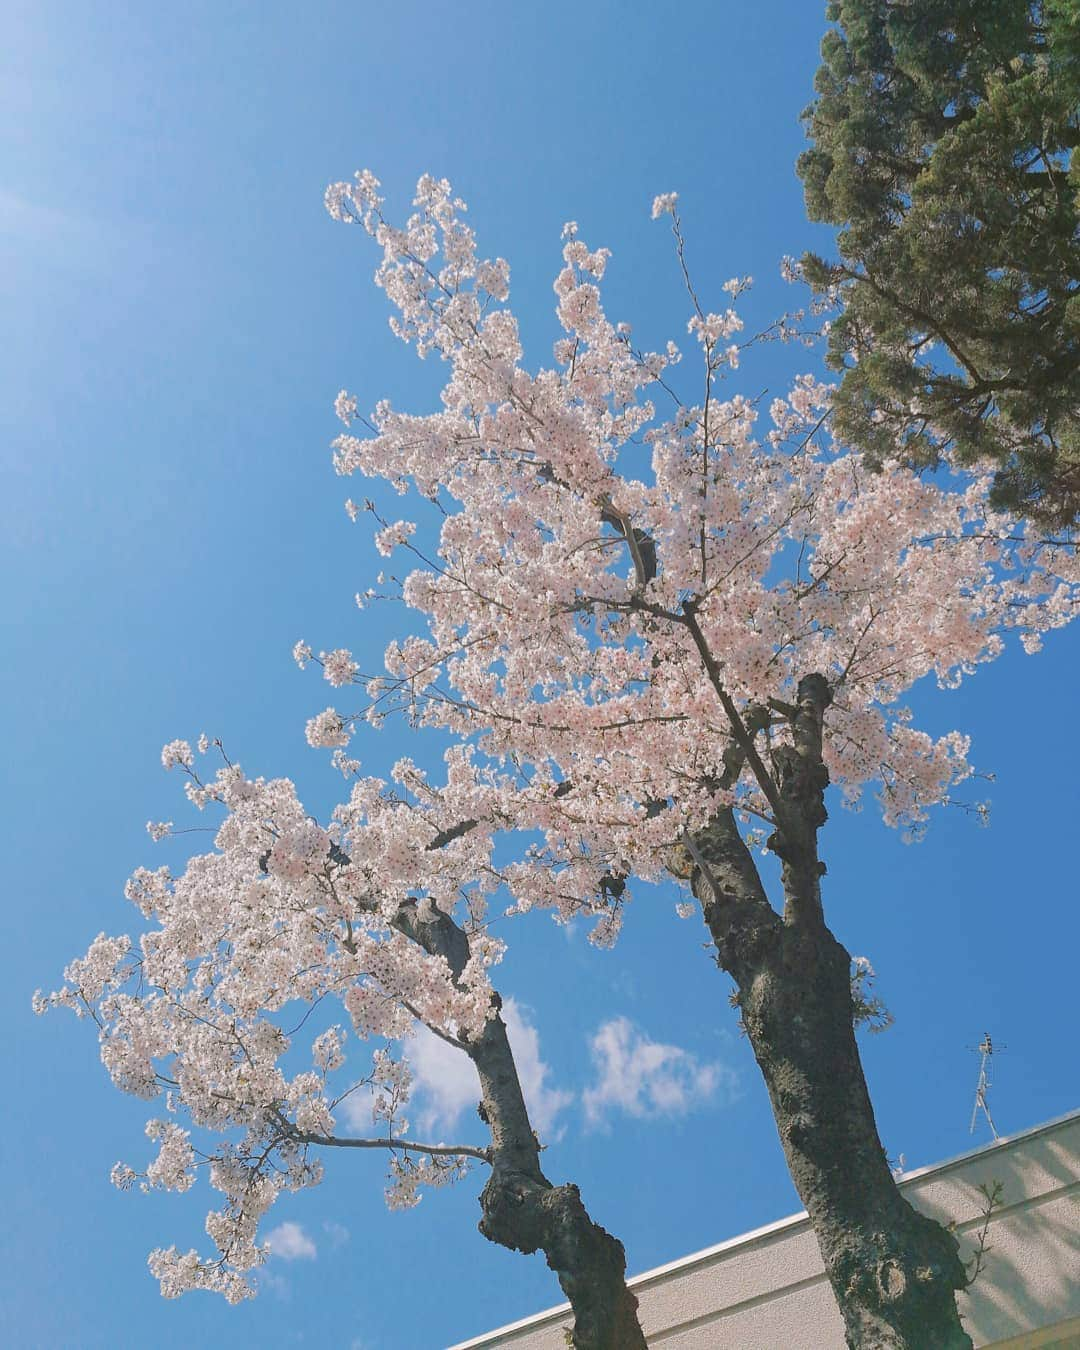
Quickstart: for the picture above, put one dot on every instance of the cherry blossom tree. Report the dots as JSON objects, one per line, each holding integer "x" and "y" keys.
{"x": 279, "y": 916}
{"x": 655, "y": 636}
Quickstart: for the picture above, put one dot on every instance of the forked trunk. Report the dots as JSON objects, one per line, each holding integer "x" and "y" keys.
{"x": 521, "y": 1208}
{"x": 895, "y": 1272}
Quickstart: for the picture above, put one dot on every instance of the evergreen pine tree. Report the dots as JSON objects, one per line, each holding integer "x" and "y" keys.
{"x": 943, "y": 146}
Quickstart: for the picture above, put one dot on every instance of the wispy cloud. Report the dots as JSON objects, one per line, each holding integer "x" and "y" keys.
{"x": 289, "y": 1241}
{"x": 71, "y": 240}
{"x": 32, "y": 220}
{"x": 643, "y": 1077}
{"x": 336, "y": 1232}
{"x": 278, "y": 1285}
{"x": 70, "y": 243}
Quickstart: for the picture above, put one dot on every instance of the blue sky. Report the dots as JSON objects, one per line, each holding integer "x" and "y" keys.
{"x": 178, "y": 314}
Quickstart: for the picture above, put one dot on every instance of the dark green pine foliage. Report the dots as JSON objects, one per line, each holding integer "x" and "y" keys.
{"x": 943, "y": 138}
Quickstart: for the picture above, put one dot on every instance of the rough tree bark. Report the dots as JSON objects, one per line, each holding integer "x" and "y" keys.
{"x": 521, "y": 1208}
{"x": 895, "y": 1273}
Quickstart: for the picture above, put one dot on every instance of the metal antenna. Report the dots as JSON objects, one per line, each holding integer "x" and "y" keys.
{"x": 986, "y": 1049}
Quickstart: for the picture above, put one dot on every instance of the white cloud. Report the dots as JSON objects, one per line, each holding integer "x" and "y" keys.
{"x": 644, "y": 1077}
{"x": 445, "y": 1083}
{"x": 289, "y": 1241}
{"x": 355, "y": 1110}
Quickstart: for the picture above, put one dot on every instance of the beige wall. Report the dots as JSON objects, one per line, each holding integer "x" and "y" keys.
{"x": 767, "y": 1289}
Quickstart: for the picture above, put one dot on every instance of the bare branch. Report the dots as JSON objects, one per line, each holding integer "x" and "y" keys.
{"x": 403, "y": 1145}
{"x": 742, "y": 735}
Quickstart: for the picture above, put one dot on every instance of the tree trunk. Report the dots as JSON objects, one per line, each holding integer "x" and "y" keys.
{"x": 895, "y": 1272}
{"x": 521, "y": 1208}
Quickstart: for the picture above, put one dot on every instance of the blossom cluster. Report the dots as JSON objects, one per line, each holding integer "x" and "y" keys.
{"x": 581, "y": 527}
{"x": 283, "y": 914}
